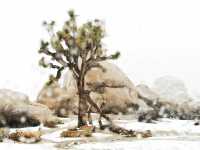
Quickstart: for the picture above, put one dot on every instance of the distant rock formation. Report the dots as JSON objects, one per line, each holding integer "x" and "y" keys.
{"x": 157, "y": 108}
{"x": 171, "y": 88}
{"x": 17, "y": 111}
{"x": 166, "y": 105}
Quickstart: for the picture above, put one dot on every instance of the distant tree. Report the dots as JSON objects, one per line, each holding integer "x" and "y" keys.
{"x": 79, "y": 49}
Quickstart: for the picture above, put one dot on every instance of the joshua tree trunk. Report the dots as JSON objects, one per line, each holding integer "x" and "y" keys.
{"x": 82, "y": 110}
{"x": 82, "y": 106}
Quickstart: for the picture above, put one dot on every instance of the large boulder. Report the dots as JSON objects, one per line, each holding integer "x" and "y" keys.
{"x": 17, "y": 111}
{"x": 59, "y": 100}
{"x": 117, "y": 97}
{"x": 157, "y": 108}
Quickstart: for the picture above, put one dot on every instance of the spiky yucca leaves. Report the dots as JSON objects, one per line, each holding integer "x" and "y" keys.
{"x": 78, "y": 48}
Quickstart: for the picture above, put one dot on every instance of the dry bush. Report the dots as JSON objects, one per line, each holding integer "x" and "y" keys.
{"x": 84, "y": 131}
{"x": 71, "y": 133}
{"x": 26, "y": 136}
{"x": 130, "y": 133}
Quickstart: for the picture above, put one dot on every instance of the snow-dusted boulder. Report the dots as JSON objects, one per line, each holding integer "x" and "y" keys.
{"x": 145, "y": 93}
{"x": 17, "y": 111}
{"x": 168, "y": 104}
{"x": 172, "y": 89}
{"x": 115, "y": 99}
{"x": 156, "y": 108}
{"x": 11, "y": 96}
{"x": 189, "y": 110}
{"x": 61, "y": 101}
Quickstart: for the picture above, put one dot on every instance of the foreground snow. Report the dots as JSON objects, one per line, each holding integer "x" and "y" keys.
{"x": 142, "y": 145}
{"x": 167, "y": 135}
{"x": 15, "y": 146}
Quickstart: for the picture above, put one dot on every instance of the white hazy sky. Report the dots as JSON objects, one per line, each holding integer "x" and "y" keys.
{"x": 156, "y": 38}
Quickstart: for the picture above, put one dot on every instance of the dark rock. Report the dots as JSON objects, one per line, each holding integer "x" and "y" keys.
{"x": 17, "y": 111}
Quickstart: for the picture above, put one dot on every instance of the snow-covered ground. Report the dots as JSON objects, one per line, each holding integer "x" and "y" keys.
{"x": 15, "y": 146}
{"x": 167, "y": 135}
{"x": 149, "y": 144}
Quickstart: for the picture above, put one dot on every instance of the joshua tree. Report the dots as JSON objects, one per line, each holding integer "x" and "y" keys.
{"x": 79, "y": 49}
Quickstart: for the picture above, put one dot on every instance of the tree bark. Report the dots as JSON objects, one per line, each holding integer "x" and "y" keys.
{"x": 82, "y": 111}
{"x": 82, "y": 106}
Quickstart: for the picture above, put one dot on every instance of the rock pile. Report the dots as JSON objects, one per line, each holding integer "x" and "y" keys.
{"x": 170, "y": 101}
{"x": 167, "y": 98}
{"x": 17, "y": 111}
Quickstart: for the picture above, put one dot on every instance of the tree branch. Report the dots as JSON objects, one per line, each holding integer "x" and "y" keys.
{"x": 100, "y": 86}
{"x": 92, "y": 103}
{"x": 59, "y": 72}
{"x": 89, "y": 66}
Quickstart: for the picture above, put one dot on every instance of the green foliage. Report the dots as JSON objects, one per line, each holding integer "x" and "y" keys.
{"x": 71, "y": 14}
{"x": 74, "y": 46}
{"x": 115, "y": 56}
{"x": 42, "y": 63}
{"x": 51, "y": 80}
{"x": 43, "y": 46}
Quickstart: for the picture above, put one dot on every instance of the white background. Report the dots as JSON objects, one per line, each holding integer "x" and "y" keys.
{"x": 155, "y": 37}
